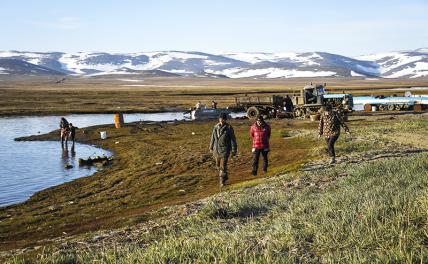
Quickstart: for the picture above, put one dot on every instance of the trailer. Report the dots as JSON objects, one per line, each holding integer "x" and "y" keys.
{"x": 297, "y": 104}
{"x": 256, "y": 106}
{"x": 393, "y": 103}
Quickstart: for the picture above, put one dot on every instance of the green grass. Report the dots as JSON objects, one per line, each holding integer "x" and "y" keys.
{"x": 372, "y": 212}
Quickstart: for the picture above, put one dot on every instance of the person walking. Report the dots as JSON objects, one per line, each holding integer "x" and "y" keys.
{"x": 72, "y": 130}
{"x": 260, "y": 133}
{"x": 223, "y": 143}
{"x": 329, "y": 127}
{"x": 64, "y": 130}
{"x": 288, "y": 104}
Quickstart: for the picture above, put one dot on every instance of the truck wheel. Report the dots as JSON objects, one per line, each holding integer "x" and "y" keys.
{"x": 253, "y": 112}
{"x": 298, "y": 112}
{"x": 391, "y": 107}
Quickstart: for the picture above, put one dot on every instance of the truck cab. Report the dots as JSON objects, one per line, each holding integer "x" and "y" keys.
{"x": 310, "y": 95}
{"x": 313, "y": 94}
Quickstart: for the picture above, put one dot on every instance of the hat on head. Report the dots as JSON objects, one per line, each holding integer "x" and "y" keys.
{"x": 223, "y": 116}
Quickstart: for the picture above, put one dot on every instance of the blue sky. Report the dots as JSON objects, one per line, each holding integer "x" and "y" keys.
{"x": 344, "y": 27}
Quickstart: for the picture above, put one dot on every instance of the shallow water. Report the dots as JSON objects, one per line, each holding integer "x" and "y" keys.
{"x": 28, "y": 167}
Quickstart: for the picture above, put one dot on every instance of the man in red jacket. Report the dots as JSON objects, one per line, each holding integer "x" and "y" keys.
{"x": 260, "y": 133}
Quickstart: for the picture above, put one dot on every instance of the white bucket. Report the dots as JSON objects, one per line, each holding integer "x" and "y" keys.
{"x": 103, "y": 134}
{"x": 374, "y": 108}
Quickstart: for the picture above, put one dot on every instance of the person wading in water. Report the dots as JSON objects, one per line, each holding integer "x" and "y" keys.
{"x": 72, "y": 130}
{"x": 260, "y": 133}
{"x": 223, "y": 143}
{"x": 329, "y": 127}
{"x": 64, "y": 130}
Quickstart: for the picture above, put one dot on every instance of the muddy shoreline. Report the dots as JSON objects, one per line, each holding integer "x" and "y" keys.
{"x": 155, "y": 165}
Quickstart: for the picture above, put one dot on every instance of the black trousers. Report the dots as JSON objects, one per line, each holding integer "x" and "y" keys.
{"x": 330, "y": 145}
{"x": 256, "y": 157}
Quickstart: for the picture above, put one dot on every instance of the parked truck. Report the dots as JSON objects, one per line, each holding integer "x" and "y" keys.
{"x": 305, "y": 102}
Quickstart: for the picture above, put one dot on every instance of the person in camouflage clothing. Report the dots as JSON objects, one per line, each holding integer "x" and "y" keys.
{"x": 223, "y": 143}
{"x": 329, "y": 127}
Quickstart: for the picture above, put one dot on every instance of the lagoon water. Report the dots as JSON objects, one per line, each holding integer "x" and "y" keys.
{"x": 28, "y": 167}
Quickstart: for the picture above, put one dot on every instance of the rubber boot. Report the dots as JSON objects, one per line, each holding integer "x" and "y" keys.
{"x": 222, "y": 178}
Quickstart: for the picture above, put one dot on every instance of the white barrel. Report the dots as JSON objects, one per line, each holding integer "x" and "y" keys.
{"x": 103, "y": 134}
{"x": 374, "y": 108}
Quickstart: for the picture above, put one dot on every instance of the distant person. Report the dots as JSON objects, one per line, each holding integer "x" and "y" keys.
{"x": 198, "y": 105}
{"x": 260, "y": 133}
{"x": 310, "y": 97}
{"x": 329, "y": 127}
{"x": 72, "y": 130}
{"x": 223, "y": 143}
{"x": 64, "y": 129}
{"x": 288, "y": 104}
{"x": 214, "y": 104}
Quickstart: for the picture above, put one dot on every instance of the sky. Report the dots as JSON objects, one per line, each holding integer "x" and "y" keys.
{"x": 343, "y": 27}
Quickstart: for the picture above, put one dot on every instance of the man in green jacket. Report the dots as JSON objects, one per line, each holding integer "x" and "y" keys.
{"x": 223, "y": 143}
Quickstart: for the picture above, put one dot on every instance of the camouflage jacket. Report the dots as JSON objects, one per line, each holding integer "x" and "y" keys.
{"x": 223, "y": 140}
{"x": 330, "y": 125}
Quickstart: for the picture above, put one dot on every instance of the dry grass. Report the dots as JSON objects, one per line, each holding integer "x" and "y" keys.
{"x": 100, "y": 95}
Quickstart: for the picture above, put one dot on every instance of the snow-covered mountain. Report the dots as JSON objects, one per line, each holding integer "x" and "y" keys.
{"x": 21, "y": 67}
{"x": 407, "y": 64}
{"x": 404, "y": 64}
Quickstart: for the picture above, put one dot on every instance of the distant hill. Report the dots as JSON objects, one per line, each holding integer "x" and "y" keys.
{"x": 403, "y": 64}
{"x": 21, "y": 67}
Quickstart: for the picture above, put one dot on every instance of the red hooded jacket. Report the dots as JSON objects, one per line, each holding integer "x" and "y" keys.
{"x": 260, "y": 135}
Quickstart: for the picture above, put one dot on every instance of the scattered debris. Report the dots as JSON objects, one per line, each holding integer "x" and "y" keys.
{"x": 103, "y": 160}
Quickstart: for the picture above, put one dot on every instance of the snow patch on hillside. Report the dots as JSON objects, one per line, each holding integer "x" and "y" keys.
{"x": 389, "y": 61}
{"x": 355, "y": 74}
{"x": 2, "y": 71}
{"x": 420, "y": 70}
{"x": 257, "y": 57}
{"x": 271, "y": 73}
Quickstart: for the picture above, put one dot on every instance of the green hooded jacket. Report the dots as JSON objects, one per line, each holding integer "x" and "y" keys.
{"x": 223, "y": 140}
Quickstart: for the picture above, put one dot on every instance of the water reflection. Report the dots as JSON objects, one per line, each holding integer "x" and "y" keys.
{"x": 73, "y": 152}
{"x": 64, "y": 155}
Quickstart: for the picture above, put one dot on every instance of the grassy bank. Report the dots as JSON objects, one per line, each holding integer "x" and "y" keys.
{"x": 155, "y": 165}
{"x": 372, "y": 212}
{"x": 371, "y": 207}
